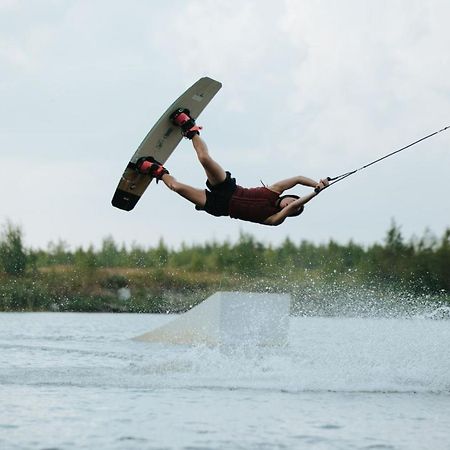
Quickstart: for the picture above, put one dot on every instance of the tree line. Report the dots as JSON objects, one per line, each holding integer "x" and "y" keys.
{"x": 420, "y": 264}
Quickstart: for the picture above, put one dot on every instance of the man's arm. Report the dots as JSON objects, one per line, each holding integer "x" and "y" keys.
{"x": 280, "y": 216}
{"x": 284, "y": 185}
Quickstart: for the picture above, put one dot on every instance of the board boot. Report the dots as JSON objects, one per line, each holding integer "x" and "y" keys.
{"x": 151, "y": 167}
{"x": 182, "y": 118}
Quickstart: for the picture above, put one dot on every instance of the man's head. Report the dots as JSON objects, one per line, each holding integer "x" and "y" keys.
{"x": 286, "y": 200}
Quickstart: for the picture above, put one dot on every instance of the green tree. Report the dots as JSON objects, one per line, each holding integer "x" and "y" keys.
{"x": 249, "y": 256}
{"x": 392, "y": 262}
{"x": 86, "y": 261}
{"x": 13, "y": 256}
{"x": 59, "y": 253}
{"x": 162, "y": 254}
{"x": 109, "y": 254}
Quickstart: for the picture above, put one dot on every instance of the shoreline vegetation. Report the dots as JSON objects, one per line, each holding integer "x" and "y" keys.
{"x": 397, "y": 276}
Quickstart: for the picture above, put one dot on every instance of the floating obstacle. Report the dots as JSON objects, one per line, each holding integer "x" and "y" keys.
{"x": 229, "y": 318}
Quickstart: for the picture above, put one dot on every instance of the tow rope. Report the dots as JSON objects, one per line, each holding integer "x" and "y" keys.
{"x": 341, "y": 177}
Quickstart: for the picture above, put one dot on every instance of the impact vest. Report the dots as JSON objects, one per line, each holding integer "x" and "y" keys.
{"x": 253, "y": 204}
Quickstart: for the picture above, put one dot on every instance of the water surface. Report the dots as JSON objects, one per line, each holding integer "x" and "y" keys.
{"x": 78, "y": 381}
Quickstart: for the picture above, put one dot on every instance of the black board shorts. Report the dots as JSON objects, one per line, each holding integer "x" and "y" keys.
{"x": 218, "y": 196}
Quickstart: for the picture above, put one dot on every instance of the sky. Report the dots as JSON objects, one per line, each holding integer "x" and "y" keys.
{"x": 310, "y": 87}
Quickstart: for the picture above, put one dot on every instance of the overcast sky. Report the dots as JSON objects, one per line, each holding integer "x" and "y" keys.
{"x": 314, "y": 88}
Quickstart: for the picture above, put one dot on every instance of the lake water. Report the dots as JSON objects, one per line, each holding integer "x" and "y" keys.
{"x": 78, "y": 381}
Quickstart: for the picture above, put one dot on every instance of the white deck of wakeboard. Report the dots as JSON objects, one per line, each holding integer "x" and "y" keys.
{"x": 229, "y": 318}
{"x": 161, "y": 141}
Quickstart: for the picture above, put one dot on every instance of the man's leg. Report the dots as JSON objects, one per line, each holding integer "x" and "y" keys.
{"x": 214, "y": 171}
{"x": 156, "y": 170}
{"x": 194, "y": 195}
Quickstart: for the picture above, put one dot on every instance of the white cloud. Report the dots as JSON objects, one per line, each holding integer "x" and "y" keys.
{"x": 6, "y": 5}
{"x": 372, "y": 71}
{"x": 241, "y": 43}
{"x": 310, "y": 87}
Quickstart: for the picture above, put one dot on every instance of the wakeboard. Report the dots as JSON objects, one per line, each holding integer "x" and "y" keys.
{"x": 161, "y": 141}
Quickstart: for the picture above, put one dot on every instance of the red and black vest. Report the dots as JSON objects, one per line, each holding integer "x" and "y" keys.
{"x": 253, "y": 204}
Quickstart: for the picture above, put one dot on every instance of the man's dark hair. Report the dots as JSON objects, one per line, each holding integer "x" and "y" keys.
{"x": 296, "y": 197}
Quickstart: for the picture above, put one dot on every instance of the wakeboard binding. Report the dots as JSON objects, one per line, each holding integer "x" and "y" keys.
{"x": 149, "y": 166}
{"x": 182, "y": 118}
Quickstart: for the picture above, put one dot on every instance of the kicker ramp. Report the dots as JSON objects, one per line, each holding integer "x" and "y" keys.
{"x": 229, "y": 318}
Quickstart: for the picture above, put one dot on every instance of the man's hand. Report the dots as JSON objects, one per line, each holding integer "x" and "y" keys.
{"x": 321, "y": 185}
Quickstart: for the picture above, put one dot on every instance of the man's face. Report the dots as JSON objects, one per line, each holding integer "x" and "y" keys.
{"x": 286, "y": 201}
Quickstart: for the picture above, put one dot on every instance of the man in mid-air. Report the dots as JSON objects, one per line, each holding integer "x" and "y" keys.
{"x": 264, "y": 205}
